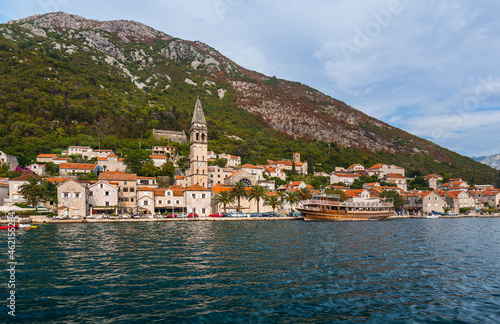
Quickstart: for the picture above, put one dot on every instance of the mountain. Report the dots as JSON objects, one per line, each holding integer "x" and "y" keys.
{"x": 68, "y": 80}
{"x": 492, "y": 160}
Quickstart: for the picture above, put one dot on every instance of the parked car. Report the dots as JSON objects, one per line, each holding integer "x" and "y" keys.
{"x": 237, "y": 214}
{"x": 172, "y": 216}
{"x": 256, "y": 215}
{"x": 216, "y": 215}
{"x": 182, "y": 215}
{"x": 192, "y": 215}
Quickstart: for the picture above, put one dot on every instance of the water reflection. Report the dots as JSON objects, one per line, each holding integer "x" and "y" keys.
{"x": 261, "y": 271}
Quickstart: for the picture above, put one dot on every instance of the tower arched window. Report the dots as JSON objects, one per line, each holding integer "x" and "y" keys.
{"x": 203, "y": 136}
{"x": 197, "y": 136}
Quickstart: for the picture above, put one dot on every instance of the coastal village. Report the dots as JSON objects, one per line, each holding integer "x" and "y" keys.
{"x": 119, "y": 193}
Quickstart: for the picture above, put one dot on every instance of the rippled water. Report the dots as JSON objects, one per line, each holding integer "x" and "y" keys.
{"x": 408, "y": 271}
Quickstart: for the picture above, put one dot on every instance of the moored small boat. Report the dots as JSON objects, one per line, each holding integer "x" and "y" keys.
{"x": 6, "y": 227}
{"x": 330, "y": 208}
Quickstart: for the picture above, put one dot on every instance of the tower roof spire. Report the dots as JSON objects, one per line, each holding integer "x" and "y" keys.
{"x": 198, "y": 116}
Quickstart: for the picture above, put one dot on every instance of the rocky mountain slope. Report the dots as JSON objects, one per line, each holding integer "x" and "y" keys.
{"x": 492, "y": 160}
{"x": 288, "y": 107}
{"x": 64, "y": 75}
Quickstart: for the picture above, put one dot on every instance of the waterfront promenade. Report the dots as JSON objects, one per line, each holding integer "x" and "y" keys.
{"x": 51, "y": 220}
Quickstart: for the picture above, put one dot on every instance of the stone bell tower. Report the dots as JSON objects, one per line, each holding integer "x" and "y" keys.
{"x": 198, "y": 155}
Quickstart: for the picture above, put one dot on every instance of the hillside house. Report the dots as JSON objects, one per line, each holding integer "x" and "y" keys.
{"x": 75, "y": 168}
{"x": 459, "y": 199}
{"x": 8, "y": 159}
{"x": 381, "y": 170}
{"x": 345, "y": 178}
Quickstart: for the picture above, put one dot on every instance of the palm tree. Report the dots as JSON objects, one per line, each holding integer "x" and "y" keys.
{"x": 257, "y": 192}
{"x": 273, "y": 201}
{"x": 239, "y": 191}
{"x": 224, "y": 198}
{"x": 304, "y": 193}
{"x": 33, "y": 191}
{"x": 291, "y": 197}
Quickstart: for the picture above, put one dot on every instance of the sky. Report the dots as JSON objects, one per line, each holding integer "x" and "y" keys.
{"x": 428, "y": 67}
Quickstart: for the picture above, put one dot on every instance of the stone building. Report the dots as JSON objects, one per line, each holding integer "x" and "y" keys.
{"x": 198, "y": 156}
{"x": 127, "y": 186}
{"x": 174, "y": 136}
{"x": 9, "y": 159}
{"x": 72, "y": 199}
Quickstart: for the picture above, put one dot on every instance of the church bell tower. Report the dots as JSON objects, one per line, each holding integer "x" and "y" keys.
{"x": 198, "y": 155}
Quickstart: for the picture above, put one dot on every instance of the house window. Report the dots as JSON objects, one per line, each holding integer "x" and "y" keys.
{"x": 132, "y": 199}
{"x": 203, "y": 210}
{"x": 106, "y": 193}
{"x": 101, "y": 186}
{"x": 77, "y": 195}
{"x": 65, "y": 195}
{"x": 106, "y": 203}
{"x": 125, "y": 189}
{"x": 194, "y": 195}
{"x": 168, "y": 202}
{"x": 177, "y": 202}
{"x": 146, "y": 202}
{"x": 91, "y": 193}
{"x": 168, "y": 193}
{"x": 132, "y": 189}
{"x": 203, "y": 195}
{"x": 160, "y": 202}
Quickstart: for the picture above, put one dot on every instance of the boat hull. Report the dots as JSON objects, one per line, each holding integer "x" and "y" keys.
{"x": 310, "y": 215}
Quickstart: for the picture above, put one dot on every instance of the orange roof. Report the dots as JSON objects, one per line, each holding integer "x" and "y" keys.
{"x": 376, "y": 166}
{"x": 393, "y": 175}
{"x": 117, "y": 176}
{"x": 62, "y": 158}
{"x": 295, "y": 183}
{"x": 197, "y": 187}
{"x": 46, "y": 155}
{"x": 251, "y": 166}
{"x": 347, "y": 175}
{"x": 354, "y": 192}
{"x": 146, "y": 178}
{"x": 57, "y": 179}
{"x": 218, "y": 188}
{"x": 112, "y": 155}
{"x": 78, "y": 166}
{"x": 99, "y": 158}
{"x": 179, "y": 177}
{"x": 158, "y": 157}
{"x": 146, "y": 189}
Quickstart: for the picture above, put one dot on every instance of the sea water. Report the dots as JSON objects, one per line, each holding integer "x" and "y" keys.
{"x": 396, "y": 271}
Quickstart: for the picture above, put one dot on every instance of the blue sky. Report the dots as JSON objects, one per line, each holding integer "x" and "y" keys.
{"x": 428, "y": 67}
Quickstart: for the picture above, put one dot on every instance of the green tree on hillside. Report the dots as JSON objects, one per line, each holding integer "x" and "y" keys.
{"x": 135, "y": 159}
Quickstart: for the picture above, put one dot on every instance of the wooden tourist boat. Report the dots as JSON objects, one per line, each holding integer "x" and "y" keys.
{"x": 330, "y": 208}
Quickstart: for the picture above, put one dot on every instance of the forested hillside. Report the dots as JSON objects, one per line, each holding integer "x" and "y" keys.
{"x": 70, "y": 81}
